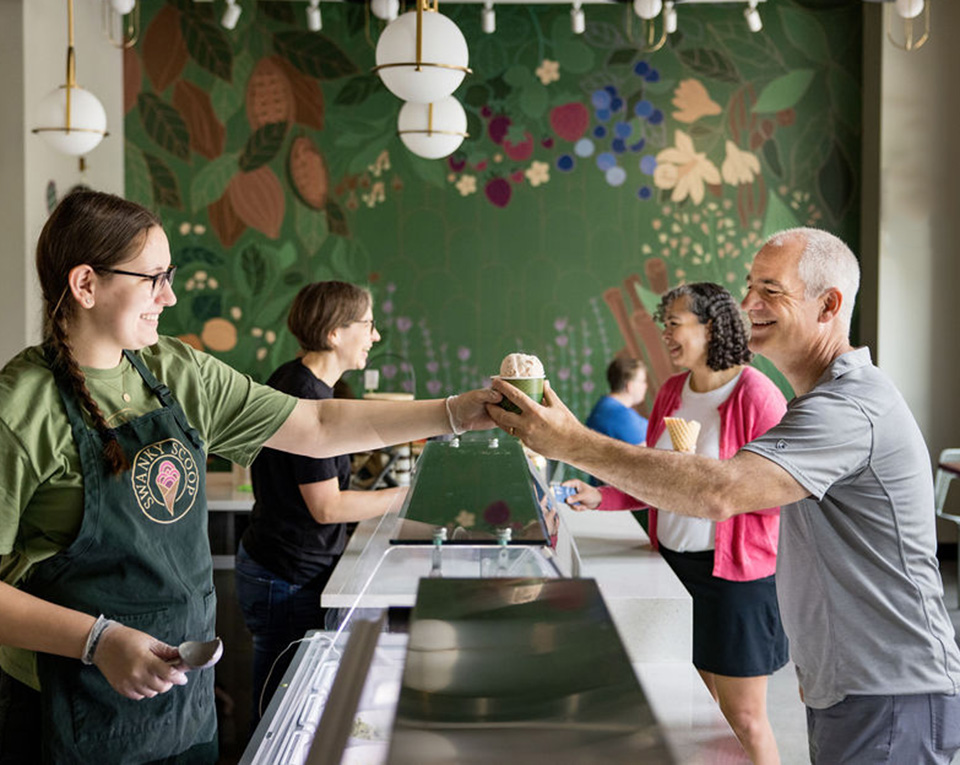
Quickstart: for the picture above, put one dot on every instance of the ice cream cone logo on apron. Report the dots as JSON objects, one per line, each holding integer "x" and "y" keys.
{"x": 165, "y": 480}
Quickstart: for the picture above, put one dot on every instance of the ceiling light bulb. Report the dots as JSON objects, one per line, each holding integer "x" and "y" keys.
{"x": 647, "y": 9}
{"x": 231, "y": 15}
{"x": 669, "y": 17}
{"x": 752, "y": 15}
{"x": 123, "y": 7}
{"x": 488, "y": 18}
{"x": 386, "y": 10}
{"x": 909, "y": 9}
{"x": 578, "y": 22}
{"x": 314, "y": 20}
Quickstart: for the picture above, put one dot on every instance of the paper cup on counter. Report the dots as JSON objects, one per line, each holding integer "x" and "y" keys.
{"x": 532, "y": 386}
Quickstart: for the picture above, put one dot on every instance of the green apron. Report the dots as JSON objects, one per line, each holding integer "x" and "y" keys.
{"x": 142, "y": 558}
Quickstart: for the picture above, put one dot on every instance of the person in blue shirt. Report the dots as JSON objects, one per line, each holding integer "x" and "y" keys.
{"x": 614, "y": 415}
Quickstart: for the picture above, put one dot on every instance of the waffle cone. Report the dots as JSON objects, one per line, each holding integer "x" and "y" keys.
{"x": 683, "y": 433}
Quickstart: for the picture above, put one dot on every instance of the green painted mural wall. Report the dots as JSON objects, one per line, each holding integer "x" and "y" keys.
{"x": 594, "y": 176}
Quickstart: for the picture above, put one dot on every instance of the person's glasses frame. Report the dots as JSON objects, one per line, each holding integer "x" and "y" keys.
{"x": 372, "y": 324}
{"x": 157, "y": 281}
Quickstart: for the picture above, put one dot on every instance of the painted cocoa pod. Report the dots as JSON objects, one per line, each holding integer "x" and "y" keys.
{"x": 308, "y": 173}
{"x": 257, "y": 198}
{"x": 207, "y": 133}
{"x": 269, "y": 95}
{"x": 164, "y": 50}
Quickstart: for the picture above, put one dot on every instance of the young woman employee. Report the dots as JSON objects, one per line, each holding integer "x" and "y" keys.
{"x": 104, "y": 432}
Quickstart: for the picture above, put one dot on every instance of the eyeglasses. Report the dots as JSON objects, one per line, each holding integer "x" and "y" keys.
{"x": 371, "y": 322}
{"x": 157, "y": 281}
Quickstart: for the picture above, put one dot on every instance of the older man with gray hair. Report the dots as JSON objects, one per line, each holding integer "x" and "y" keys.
{"x": 857, "y": 575}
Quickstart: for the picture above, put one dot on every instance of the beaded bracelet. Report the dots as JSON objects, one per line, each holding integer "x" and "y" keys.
{"x": 101, "y": 625}
{"x": 453, "y": 424}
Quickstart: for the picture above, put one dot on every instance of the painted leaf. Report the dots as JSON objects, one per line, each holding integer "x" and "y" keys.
{"x": 710, "y": 63}
{"x": 225, "y": 221}
{"x": 163, "y": 47}
{"x": 262, "y": 146}
{"x": 307, "y": 96}
{"x": 206, "y": 307}
{"x": 137, "y": 176}
{"x": 336, "y": 220}
{"x": 258, "y": 200}
{"x": 207, "y": 134}
{"x": 784, "y": 92}
{"x": 132, "y": 75}
{"x": 837, "y": 182}
{"x": 805, "y": 33}
{"x": 779, "y": 216}
{"x": 845, "y": 97}
{"x": 210, "y": 183}
{"x": 207, "y": 45}
{"x": 199, "y": 255}
{"x": 314, "y": 54}
{"x": 269, "y": 95}
{"x": 358, "y": 89}
{"x": 771, "y": 153}
{"x": 254, "y": 270}
{"x": 164, "y": 125}
{"x": 166, "y": 190}
{"x": 308, "y": 173}
{"x": 311, "y": 228}
{"x": 622, "y": 56}
{"x": 533, "y": 99}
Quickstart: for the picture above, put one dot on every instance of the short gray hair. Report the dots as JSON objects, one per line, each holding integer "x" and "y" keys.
{"x": 826, "y": 261}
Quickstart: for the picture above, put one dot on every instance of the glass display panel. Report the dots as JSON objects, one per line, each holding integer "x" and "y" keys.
{"x": 476, "y": 489}
{"x": 517, "y": 670}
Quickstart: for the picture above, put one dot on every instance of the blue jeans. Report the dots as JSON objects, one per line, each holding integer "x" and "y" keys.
{"x": 277, "y": 613}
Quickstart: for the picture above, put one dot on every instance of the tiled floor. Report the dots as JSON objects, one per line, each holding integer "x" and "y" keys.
{"x": 233, "y": 677}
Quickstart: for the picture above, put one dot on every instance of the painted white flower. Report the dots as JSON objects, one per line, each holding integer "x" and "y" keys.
{"x": 548, "y": 71}
{"x": 739, "y": 166}
{"x": 467, "y": 185}
{"x": 693, "y": 170}
{"x": 466, "y": 519}
{"x": 184, "y": 228}
{"x": 537, "y": 173}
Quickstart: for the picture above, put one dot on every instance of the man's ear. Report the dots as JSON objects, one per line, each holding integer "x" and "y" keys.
{"x": 830, "y": 302}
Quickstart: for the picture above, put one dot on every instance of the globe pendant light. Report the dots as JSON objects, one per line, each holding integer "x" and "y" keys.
{"x": 432, "y": 130}
{"x": 422, "y": 56}
{"x": 72, "y": 120}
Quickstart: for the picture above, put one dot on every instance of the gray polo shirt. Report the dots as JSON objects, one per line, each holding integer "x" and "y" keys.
{"x": 857, "y": 575}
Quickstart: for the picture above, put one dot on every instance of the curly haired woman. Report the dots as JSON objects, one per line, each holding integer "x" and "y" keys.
{"x": 727, "y": 567}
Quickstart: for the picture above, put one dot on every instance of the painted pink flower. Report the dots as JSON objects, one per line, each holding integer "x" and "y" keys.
{"x": 432, "y": 367}
{"x": 407, "y": 386}
{"x": 463, "y": 353}
{"x": 560, "y": 324}
{"x": 387, "y": 306}
{"x": 433, "y": 387}
{"x": 586, "y": 370}
{"x": 404, "y": 323}
{"x": 562, "y": 341}
{"x": 391, "y": 287}
{"x": 389, "y": 371}
{"x": 587, "y": 386}
{"x": 564, "y": 373}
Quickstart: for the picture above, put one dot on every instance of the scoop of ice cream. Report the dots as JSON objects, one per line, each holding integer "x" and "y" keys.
{"x": 521, "y": 365}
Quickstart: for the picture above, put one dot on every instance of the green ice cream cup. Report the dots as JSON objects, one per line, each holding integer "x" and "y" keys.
{"x": 532, "y": 386}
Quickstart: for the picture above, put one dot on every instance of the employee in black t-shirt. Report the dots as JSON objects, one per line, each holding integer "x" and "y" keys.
{"x": 298, "y": 528}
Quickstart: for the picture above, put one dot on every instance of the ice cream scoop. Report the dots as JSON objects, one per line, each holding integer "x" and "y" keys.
{"x": 521, "y": 365}
{"x": 200, "y": 654}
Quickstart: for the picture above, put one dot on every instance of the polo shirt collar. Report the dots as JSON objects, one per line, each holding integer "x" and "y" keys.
{"x": 846, "y": 362}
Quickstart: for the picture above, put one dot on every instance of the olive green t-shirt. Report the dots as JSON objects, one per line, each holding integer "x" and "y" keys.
{"x": 41, "y": 485}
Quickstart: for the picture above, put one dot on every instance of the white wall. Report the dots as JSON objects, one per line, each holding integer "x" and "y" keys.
{"x": 919, "y": 264}
{"x": 33, "y": 41}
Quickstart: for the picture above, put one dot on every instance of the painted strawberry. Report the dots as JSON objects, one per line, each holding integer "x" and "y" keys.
{"x": 519, "y": 152}
{"x": 498, "y": 191}
{"x": 570, "y": 121}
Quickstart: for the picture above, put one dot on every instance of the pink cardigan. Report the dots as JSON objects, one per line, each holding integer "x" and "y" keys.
{"x": 745, "y": 545}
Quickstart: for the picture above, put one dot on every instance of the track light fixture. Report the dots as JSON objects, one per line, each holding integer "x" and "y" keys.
{"x": 578, "y": 22}
{"x": 385, "y": 10}
{"x": 669, "y": 17}
{"x": 752, "y": 15}
{"x": 231, "y": 15}
{"x": 314, "y": 20}
{"x": 488, "y": 18}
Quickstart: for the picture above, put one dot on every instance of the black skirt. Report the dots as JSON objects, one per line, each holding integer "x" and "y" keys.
{"x": 736, "y": 625}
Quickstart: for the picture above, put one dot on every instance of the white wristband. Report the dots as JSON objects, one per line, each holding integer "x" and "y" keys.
{"x": 101, "y": 625}
{"x": 453, "y": 425}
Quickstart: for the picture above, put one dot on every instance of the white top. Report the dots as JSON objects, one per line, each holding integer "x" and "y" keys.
{"x": 677, "y": 532}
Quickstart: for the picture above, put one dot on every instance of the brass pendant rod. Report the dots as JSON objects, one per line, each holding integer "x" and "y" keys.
{"x": 71, "y": 61}
{"x": 419, "y": 33}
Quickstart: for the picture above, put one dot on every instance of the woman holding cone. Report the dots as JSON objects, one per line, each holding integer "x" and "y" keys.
{"x": 104, "y": 433}
{"x": 712, "y": 409}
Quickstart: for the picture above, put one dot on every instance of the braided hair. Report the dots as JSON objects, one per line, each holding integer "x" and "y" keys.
{"x": 713, "y": 305}
{"x": 86, "y": 228}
